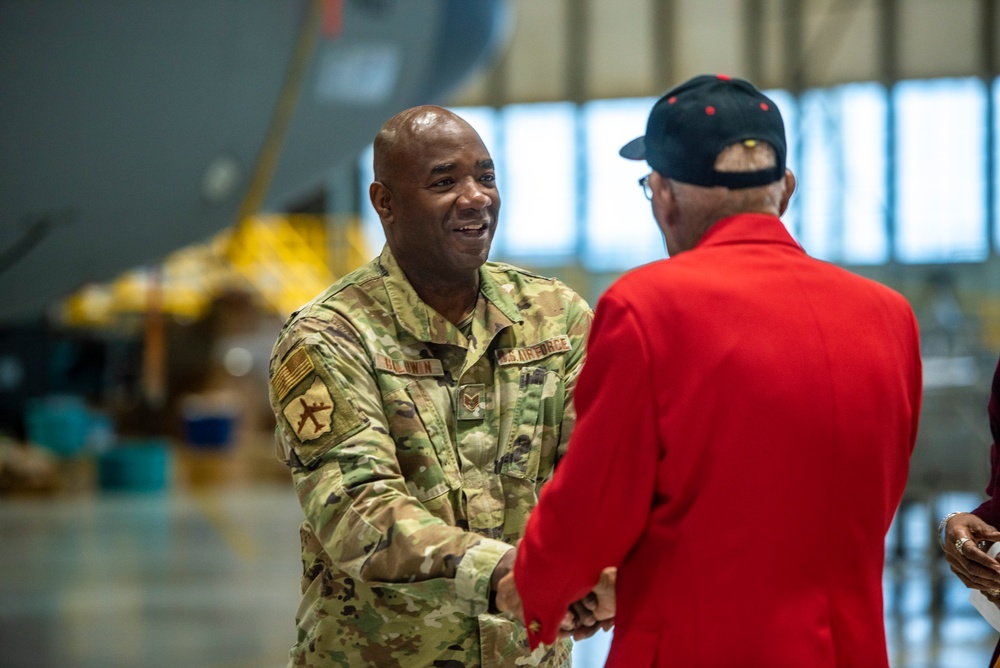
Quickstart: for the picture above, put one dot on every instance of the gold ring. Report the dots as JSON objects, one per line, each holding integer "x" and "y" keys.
{"x": 959, "y": 543}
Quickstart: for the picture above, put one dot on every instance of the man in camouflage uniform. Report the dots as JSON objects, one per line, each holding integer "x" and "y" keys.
{"x": 421, "y": 402}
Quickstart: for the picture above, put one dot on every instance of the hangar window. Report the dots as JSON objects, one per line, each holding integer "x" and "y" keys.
{"x": 538, "y": 182}
{"x": 842, "y": 188}
{"x": 618, "y": 224}
{"x": 940, "y": 166}
{"x": 568, "y": 198}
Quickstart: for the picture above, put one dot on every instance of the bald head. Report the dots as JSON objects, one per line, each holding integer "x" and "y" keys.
{"x": 409, "y": 131}
{"x": 435, "y": 193}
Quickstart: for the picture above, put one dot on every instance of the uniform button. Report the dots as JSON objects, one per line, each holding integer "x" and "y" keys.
{"x": 535, "y": 626}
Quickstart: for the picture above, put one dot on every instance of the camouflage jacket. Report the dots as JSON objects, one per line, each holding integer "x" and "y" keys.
{"x": 417, "y": 454}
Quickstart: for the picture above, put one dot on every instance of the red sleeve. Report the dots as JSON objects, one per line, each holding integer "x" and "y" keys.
{"x": 598, "y": 502}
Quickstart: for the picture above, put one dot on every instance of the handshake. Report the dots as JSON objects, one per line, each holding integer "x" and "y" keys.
{"x": 584, "y": 617}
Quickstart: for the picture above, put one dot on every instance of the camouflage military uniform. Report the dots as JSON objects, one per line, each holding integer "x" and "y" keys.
{"x": 417, "y": 452}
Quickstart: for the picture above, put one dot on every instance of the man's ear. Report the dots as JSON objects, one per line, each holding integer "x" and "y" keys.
{"x": 381, "y": 199}
{"x": 664, "y": 207}
{"x": 664, "y": 199}
{"x": 787, "y": 194}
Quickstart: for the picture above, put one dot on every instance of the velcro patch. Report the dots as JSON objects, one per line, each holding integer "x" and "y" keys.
{"x": 471, "y": 402}
{"x": 557, "y": 344}
{"x": 291, "y": 372}
{"x": 428, "y": 367}
{"x": 310, "y": 414}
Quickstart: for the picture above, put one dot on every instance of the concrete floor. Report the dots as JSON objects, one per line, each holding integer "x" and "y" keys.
{"x": 209, "y": 578}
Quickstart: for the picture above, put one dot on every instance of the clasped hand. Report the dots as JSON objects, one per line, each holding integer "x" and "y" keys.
{"x": 584, "y": 617}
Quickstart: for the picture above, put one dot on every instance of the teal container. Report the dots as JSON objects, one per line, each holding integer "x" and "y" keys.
{"x": 135, "y": 466}
{"x": 59, "y": 423}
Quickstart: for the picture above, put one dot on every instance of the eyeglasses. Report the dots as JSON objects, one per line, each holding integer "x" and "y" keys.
{"x": 644, "y": 184}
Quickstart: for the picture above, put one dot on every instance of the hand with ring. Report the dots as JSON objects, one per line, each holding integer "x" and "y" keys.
{"x": 965, "y": 537}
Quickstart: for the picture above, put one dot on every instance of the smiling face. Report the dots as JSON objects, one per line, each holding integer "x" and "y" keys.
{"x": 436, "y": 194}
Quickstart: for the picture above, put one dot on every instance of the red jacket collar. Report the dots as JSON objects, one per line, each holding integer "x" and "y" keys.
{"x": 747, "y": 228}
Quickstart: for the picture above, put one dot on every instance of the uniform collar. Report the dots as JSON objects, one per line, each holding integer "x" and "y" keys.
{"x": 495, "y": 309}
{"x": 747, "y": 228}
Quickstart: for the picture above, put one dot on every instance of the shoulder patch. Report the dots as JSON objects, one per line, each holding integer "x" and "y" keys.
{"x": 313, "y": 404}
{"x": 310, "y": 414}
{"x": 291, "y": 372}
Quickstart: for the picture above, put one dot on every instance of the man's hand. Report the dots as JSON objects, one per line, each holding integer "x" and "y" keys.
{"x": 970, "y": 564}
{"x": 603, "y": 596}
{"x": 508, "y": 600}
{"x": 596, "y": 610}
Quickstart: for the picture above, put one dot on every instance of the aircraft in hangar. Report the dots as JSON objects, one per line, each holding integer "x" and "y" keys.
{"x": 131, "y": 129}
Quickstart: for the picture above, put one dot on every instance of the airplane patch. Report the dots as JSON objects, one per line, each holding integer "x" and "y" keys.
{"x": 310, "y": 414}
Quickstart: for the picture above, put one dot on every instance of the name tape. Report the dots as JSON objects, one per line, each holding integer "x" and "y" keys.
{"x": 429, "y": 367}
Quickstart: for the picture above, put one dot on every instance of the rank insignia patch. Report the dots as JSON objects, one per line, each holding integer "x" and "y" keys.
{"x": 471, "y": 402}
{"x": 310, "y": 414}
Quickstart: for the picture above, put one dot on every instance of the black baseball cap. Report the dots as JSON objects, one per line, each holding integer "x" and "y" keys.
{"x": 690, "y": 125}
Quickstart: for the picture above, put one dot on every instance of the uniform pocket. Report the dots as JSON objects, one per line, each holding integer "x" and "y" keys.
{"x": 530, "y": 450}
{"x": 423, "y": 447}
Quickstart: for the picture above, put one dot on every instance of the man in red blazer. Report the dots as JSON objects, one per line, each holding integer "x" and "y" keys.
{"x": 746, "y": 418}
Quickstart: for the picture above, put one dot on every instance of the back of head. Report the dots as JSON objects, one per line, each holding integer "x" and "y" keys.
{"x": 691, "y": 125}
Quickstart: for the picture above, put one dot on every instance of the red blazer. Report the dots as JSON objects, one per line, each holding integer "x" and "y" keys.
{"x": 746, "y": 416}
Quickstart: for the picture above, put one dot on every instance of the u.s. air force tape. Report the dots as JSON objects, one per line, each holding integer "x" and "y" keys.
{"x": 557, "y": 344}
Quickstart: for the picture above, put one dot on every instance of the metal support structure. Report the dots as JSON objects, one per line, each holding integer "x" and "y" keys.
{"x": 578, "y": 19}
{"x": 753, "y": 37}
{"x": 664, "y": 42}
{"x": 888, "y": 32}
{"x": 498, "y": 81}
{"x": 989, "y": 64}
{"x": 577, "y": 49}
{"x": 794, "y": 26}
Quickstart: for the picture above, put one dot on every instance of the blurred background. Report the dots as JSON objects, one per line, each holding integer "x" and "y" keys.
{"x": 176, "y": 177}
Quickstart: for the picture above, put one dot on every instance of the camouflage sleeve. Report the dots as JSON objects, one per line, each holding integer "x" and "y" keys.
{"x": 579, "y": 318}
{"x": 334, "y": 432}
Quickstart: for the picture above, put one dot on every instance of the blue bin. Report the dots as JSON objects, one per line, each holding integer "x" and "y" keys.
{"x": 135, "y": 466}
{"x": 211, "y": 432}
